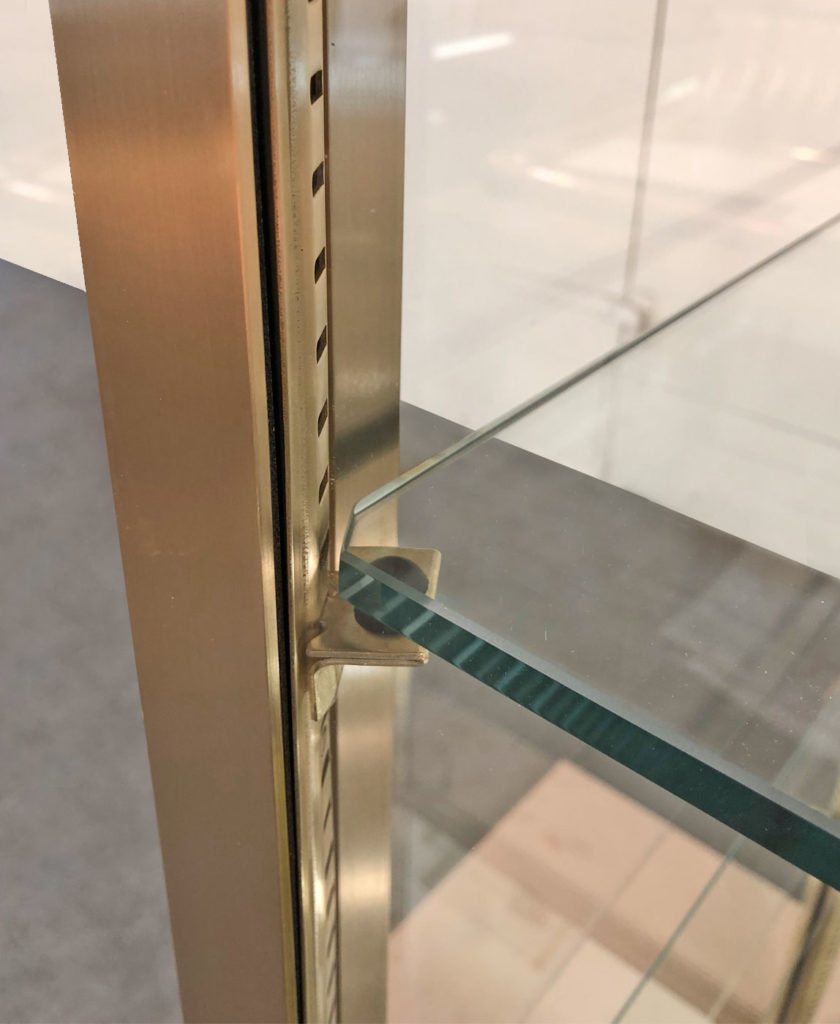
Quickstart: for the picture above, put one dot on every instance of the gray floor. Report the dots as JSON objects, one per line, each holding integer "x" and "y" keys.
{"x": 84, "y": 931}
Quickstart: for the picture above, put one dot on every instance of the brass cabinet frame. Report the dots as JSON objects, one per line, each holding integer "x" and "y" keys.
{"x": 196, "y": 133}
{"x": 158, "y": 115}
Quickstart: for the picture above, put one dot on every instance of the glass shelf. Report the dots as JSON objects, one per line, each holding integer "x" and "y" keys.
{"x": 646, "y": 555}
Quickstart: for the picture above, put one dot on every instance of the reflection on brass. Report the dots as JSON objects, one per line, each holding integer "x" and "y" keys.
{"x": 365, "y": 92}
{"x": 343, "y": 641}
{"x": 157, "y": 107}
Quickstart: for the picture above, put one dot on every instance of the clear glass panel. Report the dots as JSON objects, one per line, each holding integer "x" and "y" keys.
{"x": 536, "y": 880}
{"x": 694, "y": 656}
{"x": 514, "y": 238}
{"x": 746, "y": 969}
{"x": 577, "y": 171}
{"x": 739, "y": 972}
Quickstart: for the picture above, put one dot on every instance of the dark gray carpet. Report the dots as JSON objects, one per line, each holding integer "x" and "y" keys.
{"x": 84, "y": 930}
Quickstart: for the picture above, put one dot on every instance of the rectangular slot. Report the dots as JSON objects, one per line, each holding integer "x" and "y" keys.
{"x": 324, "y": 553}
{"x": 316, "y": 86}
{"x": 321, "y": 344}
{"x": 325, "y": 479}
{"x": 320, "y": 264}
{"x": 318, "y": 178}
{"x": 322, "y": 417}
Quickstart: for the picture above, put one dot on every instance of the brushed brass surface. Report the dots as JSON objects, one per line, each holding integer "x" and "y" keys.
{"x": 158, "y": 115}
{"x": 366, "y": 52}
{"x": 366, "y": 154}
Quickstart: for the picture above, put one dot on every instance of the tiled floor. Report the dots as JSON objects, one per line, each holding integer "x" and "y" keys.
{"x": 546, "y": 920}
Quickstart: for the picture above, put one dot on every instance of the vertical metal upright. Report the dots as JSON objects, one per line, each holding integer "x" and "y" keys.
{"x": 366, "y": 72}
{"x": 158, "y": 112}
{"x": 248, "y": 360}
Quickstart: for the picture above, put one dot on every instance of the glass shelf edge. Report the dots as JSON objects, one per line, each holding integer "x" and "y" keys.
{"x": 753, "y": 808}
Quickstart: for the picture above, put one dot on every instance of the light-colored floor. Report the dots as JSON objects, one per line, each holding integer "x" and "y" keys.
{"x": 37, "y": 218}
{"x": 523, "y": 153}
{"x": 546, "y": 920}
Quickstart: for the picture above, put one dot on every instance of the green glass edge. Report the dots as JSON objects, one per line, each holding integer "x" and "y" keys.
{"x": 747, "y": 804}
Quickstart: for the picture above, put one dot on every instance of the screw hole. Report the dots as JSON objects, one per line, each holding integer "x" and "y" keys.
{"x": 407, "y": 572}
{"x": 318, "y": 178}
{"x": 321, "y": 345}
{"x": 320, "y": 264}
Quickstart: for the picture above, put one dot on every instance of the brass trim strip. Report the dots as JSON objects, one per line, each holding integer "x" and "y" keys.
{"x": 295, "y": 68}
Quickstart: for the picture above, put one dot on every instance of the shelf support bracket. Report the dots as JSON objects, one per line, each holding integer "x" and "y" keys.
{"x": 348, "y": 636}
